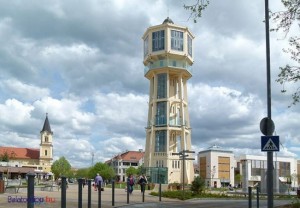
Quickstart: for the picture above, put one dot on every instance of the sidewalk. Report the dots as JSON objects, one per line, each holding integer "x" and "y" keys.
{"x": 53, "y": 198}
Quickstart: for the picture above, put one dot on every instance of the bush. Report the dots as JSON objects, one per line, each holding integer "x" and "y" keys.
{"x": 198, "y": 185}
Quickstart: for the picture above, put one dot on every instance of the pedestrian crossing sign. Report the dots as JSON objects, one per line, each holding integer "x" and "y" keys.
{"x": 270, "y": 143}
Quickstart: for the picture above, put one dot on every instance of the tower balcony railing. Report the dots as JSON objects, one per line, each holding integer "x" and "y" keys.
{"x": 168, "y": 63}
{"x": 162, "y": 121}
{"x": 160, "y": 154}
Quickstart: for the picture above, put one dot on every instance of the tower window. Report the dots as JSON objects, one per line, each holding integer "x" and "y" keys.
{"x": 158, "y": 40}
{"x": 46, "y": 152}
{"x": 161, "y": 114}
{"x": 161, "y": 85}
{"x": 176, "y": 40}
{"x": 46, "y": 139}
{"x": 190, "y": 46}
{"x": 160, "y": 141}
{"x": 146, "y": 47}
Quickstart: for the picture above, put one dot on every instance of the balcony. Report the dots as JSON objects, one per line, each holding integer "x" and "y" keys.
{"x": 173, "y": 63}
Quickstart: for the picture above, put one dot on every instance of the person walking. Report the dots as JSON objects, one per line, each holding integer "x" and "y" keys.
{"x": 98, "y": 182}
{"x": 130, "y": 183}
{"x": 143, "y": 181}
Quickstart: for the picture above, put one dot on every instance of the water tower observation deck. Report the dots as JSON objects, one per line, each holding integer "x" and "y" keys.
{"x": 168, "y": 47}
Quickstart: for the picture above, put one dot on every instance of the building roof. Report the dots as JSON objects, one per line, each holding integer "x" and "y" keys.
{"x": 20, "y": 153}
{"x": 215, "y": 148}
{"x": 46, "y": 126}
{"x": 129, "y": 156}
{"x": 168, "y": 20}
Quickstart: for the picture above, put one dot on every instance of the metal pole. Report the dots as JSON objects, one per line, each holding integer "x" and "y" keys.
{"x": 63, "y": 191}
{"x": 89, "y": 193}
{"x": 257, "y": 197}
{"x": 127, "y": 191}
{"x": 269, "y": 154}
{"x": 99, "y": 193}
{"x": 80, "y": 193}
{"x": 249, "y": 196}
{"x": 143, "y": 185}
{"x": 113, "y": 193}
{"x": 183, "y": 171}
{"x": 159, "y": 190}
{"x": 30, "y": 190}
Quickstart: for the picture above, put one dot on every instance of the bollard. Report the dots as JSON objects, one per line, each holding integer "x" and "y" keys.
{"x": 143, "y": 190}
{"x": 30, "y": 190}
{"x": 113, "y": 193}
{"x": 89, "y": 193}
{"x": 159, "y": 191}
{"x": 99, "y": 194}
{"x": 257, "y": 197}
{"x": 80, "y": 180}
{"x": 128, "y": 192}
{"x": 63, "y": 191}
{"x": 250, "y": 197}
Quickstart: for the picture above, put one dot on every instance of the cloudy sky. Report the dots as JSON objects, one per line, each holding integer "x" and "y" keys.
{"x": 81, "y": 62}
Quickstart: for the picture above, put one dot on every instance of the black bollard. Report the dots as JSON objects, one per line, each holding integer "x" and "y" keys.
{"x": 30, "y": 190}
{"x": 99, "y": 194}
{"x": 63, "y": 191}
{"x": 113, "y": 193}
{"x": 159, "y": 191}
{"x": 250, "y": 196}
{"x": 127, "y": 192}
{"x": 143, "y": 190}
{"x": 89, "y": 193}
{"x": 257, "y": 197}
{"x": 80, "y": 180}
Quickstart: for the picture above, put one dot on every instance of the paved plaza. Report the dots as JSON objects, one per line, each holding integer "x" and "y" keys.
{"x": 52, "y": 199}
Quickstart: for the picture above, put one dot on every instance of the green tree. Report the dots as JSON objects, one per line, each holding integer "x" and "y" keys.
{"x": 61, "y": 167}
{"x": 131, "y": 171}
{"x": 103, "y": 169}
{"x": 198, "y": 185}
{"x": 284, "y": 19}
{"x": 238, "y": 178}
{"x": 82, "y": 173}
{"x": 4, "y": 157}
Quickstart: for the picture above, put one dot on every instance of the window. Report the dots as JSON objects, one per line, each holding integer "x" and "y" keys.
{"x": 161, "y": 85}
{"x": 190, "y": 46}
{"x": 46, "y": 152}
{"x": 146, "y": 47}
{"x": 176, "y": 40}
{"x": 158, "y": 40}
{"x": 160, "y": 141}
{"x": 46, "y": 139}
{"x": 161, "y": 114}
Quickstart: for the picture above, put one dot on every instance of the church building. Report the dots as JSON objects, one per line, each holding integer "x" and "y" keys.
{"x": 21, "y": 160}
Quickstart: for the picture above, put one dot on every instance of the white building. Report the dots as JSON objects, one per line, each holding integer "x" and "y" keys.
{"x": 168, "y": 56}
{"x": 253, "y": 169}
{"x": 217, "y": 166}
{"x": 121, "y": 162}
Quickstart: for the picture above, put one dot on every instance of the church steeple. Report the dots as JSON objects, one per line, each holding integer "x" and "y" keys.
{"x": 46, "y": 146}
{"x": 46, "y": 126}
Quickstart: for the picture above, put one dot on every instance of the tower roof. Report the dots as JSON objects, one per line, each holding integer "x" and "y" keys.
{"x": 168, "y": 20}
{"x": 46, "y": 126}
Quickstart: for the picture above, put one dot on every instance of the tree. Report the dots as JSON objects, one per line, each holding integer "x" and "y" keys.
{"x": 131, "y": 171}
{"x": 82, "y": 173}
{"x": 61, "y": 167}
{"x": 285, "y": 19}
{"x": 103, "y": 169}
{"x": 198, "y": 185}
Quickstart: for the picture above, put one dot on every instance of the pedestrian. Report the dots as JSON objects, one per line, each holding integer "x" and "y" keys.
{"x": 143, "y": 181}
{"x": 130, "y": 183}
{"x": 98, "y": 182}
{"x": 83, "y": 182}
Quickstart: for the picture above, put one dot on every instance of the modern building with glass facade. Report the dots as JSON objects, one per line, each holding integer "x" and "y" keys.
{"x": 253, "y": 169}
{"x": 168, "y": 57}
